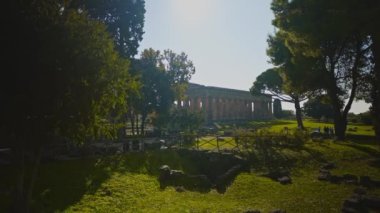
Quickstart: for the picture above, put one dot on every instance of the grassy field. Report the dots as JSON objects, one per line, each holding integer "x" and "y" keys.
{"x": 353, "y": 129}
{"x": 128, "y": 182}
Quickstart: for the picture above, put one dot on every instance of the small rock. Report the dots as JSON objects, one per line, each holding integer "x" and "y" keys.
{"x": 324, "y": 171}
{"x": 351, "y": 203}
{"x": 278, "y": 211}
{"x": 165, "y": 168}
{"x": 252, "y": 211}
{"x": 164, "y": 173}
{"x": 349, "y": 210}
{"x": 275, "y": 175}
{"x": 335, "y": 179}
{"x": 176, "y": 173}
{"x": 365, "y": 181}
{"x": 106, "y": 192}
{"x": 328, "y": 166}
{"x": 372, "y": 202}
{"x": 376, "y": 183}
{"x": 323, "y": 177}
{"x": 285, "y": 180}
{"x": 350, "y": 179}
{"x": 360, "y": 191}
{"x": 179, "y": 189}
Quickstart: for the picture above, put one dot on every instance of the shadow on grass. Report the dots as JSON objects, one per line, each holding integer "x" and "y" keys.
{"x": 63, "y": 183}
{"x": 280, "y": 159}
{"x": 374, "y": 163}
{"x": 362, "y": 139}
{"x": 370, "y": 151}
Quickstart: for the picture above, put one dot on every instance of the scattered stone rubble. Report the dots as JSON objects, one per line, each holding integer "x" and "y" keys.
{"x": 361, "y": 202}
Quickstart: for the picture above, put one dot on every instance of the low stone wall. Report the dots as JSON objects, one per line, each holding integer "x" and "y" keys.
{"x": 216, "y": 170}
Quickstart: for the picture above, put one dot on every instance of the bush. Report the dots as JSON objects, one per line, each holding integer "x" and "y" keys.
{"x": 263, "y": 139}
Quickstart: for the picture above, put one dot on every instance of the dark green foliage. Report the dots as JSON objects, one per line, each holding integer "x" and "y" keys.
{"x": 337, "y": 54}
{"x": 64, "y": 81}
{"x": 183, "y": 120}
{"x": 164, "y": 78}
{"x": 363, "y": 118}
{"x": 180, "y": 69}
{"x": 156, "y": 94}
{"x": 317, "y": 108}
{"x": 124, "y": 20}
{"x": 272, "y": 82}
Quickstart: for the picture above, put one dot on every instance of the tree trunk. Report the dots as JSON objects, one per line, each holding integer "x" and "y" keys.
{"x": 18, "y": 203}
{"x": 340, "y": 116}
{"x": 27, "y": 170}
{"x": 340, "y": 126}
{"x": 35, "y": 164}
{"x": 375, "y": 93}
{"x": 298, "y": 113}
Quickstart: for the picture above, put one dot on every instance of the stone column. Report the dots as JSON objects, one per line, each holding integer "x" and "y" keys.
{"x": 246, "y": 111}
{"x": 204, "y": 108}
{"x": 199, "y": 101}
{"x": 218, "y": 108}
{"x": 190, "y": 104}
{"x": 228, "y": 109}
{"x": 270, "y": 108}
{"x": 223, "y": 109}
{"x": 251, "y": 109}
{"x": 241, "y": 111}
{"x": 214, "y": 109}
{"x": 232, "y": 109}
{"x": 209, "y": 108}
{"x": 257, "y": 112}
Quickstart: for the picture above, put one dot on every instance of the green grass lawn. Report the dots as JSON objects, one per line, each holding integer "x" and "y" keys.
{"x": 128, "y": 182}
{"x": 353, "y": 129}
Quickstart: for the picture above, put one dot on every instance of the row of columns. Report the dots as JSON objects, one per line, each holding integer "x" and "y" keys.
{"x": 218, "y": 108}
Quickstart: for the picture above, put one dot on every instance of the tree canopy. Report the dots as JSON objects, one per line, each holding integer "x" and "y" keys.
{"x": 124, "y": 20}
{"x": 60, "y": 84}
{"x": 164, "y": 78}
{"x": 335, "y": 51}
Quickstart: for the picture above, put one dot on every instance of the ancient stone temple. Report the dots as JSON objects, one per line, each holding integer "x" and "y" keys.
{"x": 222, "y": 104}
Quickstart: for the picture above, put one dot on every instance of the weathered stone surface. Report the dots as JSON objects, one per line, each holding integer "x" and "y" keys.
{"x": 275, "y": 175}
{"x": 278, "y": 211}
{"x": 324, "y": 175}
{"x": 176, "y": 173}
{"x": 164, "y": 173}
{"x": 350, "y": 179}
{"x": 226, "y": 179}
{"x": 371, "y": 202}
{"x": 365, "y": 181}
{"x": 215, "y": 170}
{"x": 328, "y": 166}
{"x": 179, "y": 189}
{"x": 252, "y": 211}
{"x": 285, "y": 180}
{"x": 360, "y": 191}
{"x": 359, "y": 202}
{"x": 349, "y": 210}
{"x": 324, "y": 171}
{"x": 351, "y": 203}
{"x": 226, "y": 104}
{"x": 335, "y": 179}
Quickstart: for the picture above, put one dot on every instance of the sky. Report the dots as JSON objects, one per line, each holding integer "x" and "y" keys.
{"x": 225, "y": 39}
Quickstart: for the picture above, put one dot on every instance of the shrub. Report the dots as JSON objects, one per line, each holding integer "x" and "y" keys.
{"x": 263, "y": 139}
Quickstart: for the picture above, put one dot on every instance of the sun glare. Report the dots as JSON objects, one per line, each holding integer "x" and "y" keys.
{"x": 192, "y": 11}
